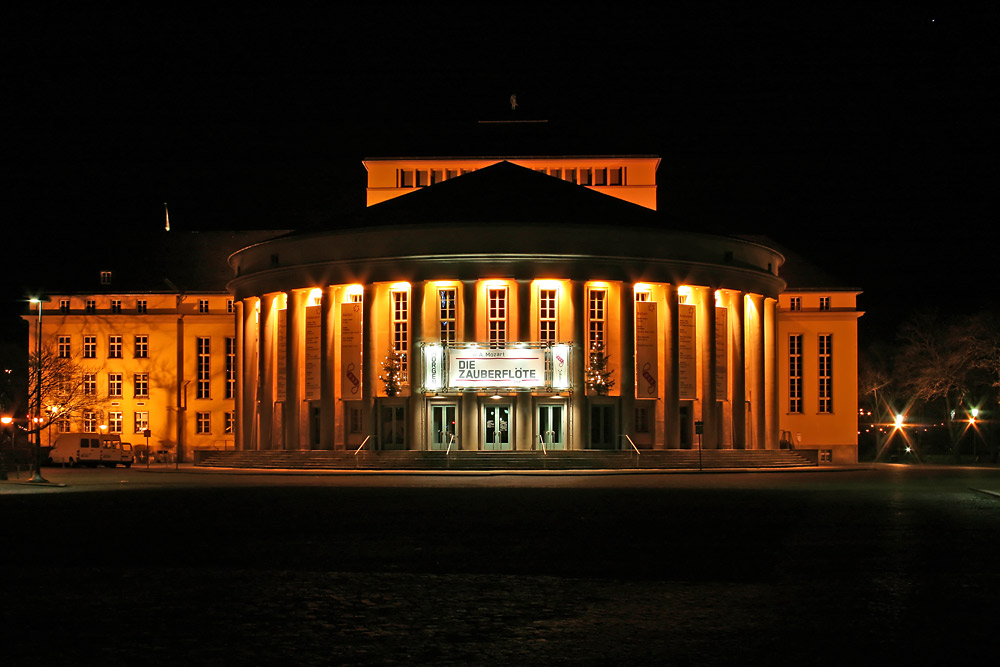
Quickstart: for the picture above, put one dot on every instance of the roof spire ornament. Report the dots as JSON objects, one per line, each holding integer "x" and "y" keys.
{"x": 513, "y": 102}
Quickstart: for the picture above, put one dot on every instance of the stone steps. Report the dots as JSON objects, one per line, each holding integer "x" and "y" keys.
{"x": 517, "y": 460}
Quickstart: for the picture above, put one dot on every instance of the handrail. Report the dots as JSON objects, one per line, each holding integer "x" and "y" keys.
{"x": 637, "y": 452}
{"x": 541, "y": 441}
{"x": 363, "y": 442}
{"x": 450, "y": 440}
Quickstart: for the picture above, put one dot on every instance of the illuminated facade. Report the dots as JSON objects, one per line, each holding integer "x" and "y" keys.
{"x": 507, "y": 309}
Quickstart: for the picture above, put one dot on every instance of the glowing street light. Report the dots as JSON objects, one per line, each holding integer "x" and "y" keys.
{"x": 37, "y": 476}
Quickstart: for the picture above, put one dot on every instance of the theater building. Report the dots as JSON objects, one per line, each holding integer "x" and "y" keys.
{"x": 490, "y": 304}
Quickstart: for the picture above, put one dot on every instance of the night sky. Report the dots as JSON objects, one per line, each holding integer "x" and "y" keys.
{"x": 867, "y": 142}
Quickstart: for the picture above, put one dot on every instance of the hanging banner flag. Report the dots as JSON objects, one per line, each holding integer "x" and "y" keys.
{"x": 647, "y": 358}
{"x": 313, "y": 361}
{"x": 721, "y": 354}
{"x": 282, "y": 344}
{"x": 350, "y": 350}
{"x": 496, "y": 367}
{"x": 687, "y": 353}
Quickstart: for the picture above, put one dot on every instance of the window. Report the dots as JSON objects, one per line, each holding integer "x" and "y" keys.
{"x": 203, "y": 423}
{"x": 114, "y": 385}
{"x": 141, "y": 422}
{"x": 105, "y": 277}
{"x": 114, "y": 346}
{"x": 547, "y": 301}
{"x": 91, "y": 306}
{"x": 824, "y": 303}
{"x": 400, "y": 320}
{"x": 114, "y": 422}
{"x": 447, "y": 313}
{"x": 795, "y": 303}
{"x": 203, "y": 366}
{"x": 64, "y": 305}
{"x": 795, "y": 373}
{"x": 141, "y": 306}
{"x": 230, "y": 425}
{"x": 230, "y": 306}
{"x": 355, "y": 420}
{"x": 141, "y": 385}
{"x": 406, "y": 179}
{"x": 142, "y": 346}
{"x": 825, "y": 380}
{"x": 497, "y": 315}
{"x": 586, "y": 177}
{"x": 89, "y": 421}
{"x": 570, "y": 175}
{"x": 600, "y": 177}
{"x": 64, "y": 347}
{"x": 90, "y": 384}
{"x": 63, "y": 425}
{"x": 642, "y": 295}
{"x": 202, "y": 305}
{"x": 597, "y": 302}
{"x": 641, "y": 419}
{"x": 90, "y": 347}
{"x": 230, "y": 367}
{"x": 616, "y": 176}
{"x": 116, "y": 305}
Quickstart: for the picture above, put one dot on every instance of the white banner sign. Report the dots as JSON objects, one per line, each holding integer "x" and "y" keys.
{"x": 314, "y": 360}
{"x": 687, "y": 359}
{"x": 350, "y": 350}
{"x": 488, "y": 367}
{"x": 647, "y": 360}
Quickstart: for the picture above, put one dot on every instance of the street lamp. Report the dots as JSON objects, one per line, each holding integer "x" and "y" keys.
{"x": 37, "y": 476}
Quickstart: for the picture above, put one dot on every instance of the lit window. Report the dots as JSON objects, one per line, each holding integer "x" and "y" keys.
{"x": 547, "y": 303}
{"x": 400, "y": 320}
{"x": 447, "y": 313}
{"x": 230, "y": 425}
{"x": 142, "y": 346}
{"x": 90, "y": 384}
{"x": 114, "y": 422}
{"x": 114, "y": 385}
{"x": 795, "y": 373}
{"x": 89, "y": 421}
{"x": 203, "y": 364}
{"x": 597, "y": 318}
{"x": 141, "y": 385}
{"x": 140, "y": 422}
{"x": 64, "y": 347}
{"x": 203, "y": 423}
{"x": 497, "y": 315}
{"x": 90, "y": 347}
{"x": 114, "y": 346}
{"x": 825, "y": 380}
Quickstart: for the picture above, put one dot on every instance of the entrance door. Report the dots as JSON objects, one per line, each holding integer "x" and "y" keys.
{"x": 444, "y": 426}
{"x": 602, "y": 427}
{"x": 496, "y": 426}
{"x": 550, "y": 427}
{"x": 393, "y": 427}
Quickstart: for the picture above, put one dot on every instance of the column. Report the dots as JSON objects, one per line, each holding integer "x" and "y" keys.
{"x": 671, "y": 370}
{"x": 265, "y": 372}
{"x": 626, "y": 320}
{"x": 576, "y": 431}
{"x": 706, "y": 336}
{"x": 469, "y": 404}
{"x": 292, "y": 405}
{"x": 523, "y": 432}
{"x": 417, "y": 431}
{"x": 369, "y": 365}
{"x": 771, "y": 426}
{"x": 249, "y": 380}
{"x": 329, "y": 313}
{"x": 758, "y": 404}
{"x": 738, "y": 399}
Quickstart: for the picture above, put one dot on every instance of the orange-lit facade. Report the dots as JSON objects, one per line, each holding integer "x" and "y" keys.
{"x": 500, "y": 324}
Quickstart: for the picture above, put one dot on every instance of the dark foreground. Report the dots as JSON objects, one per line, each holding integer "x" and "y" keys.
{"x": 135, "y": 567}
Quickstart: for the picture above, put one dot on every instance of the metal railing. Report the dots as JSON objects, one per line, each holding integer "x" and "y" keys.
{"x": 362, "y": 446}
{"x": 637, "y": 452}
{"x": 541, "y": 441}
{"x": 451, "y": 441}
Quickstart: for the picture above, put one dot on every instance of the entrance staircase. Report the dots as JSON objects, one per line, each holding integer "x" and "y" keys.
{"x": 714, "y": 459}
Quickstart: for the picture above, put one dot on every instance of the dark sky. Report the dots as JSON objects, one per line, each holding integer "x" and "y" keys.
{"x": 866, "y": 141}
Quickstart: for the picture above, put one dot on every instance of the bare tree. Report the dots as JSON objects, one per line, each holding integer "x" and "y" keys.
{"x": 65, "y": 389}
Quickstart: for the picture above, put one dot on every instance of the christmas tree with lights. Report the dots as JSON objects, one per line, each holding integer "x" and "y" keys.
{"x": 598, "y": 376}
{"x": 393, "y": 372}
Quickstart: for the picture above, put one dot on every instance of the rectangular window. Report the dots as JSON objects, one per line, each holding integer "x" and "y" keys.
{"x": 142, "y": 346}
{"x": 497, "y": 315}
{"x": 795, "y": 373}
{"x": 547, "y": 308}
{"x": 597, "y": 318}
{"x": 230, "y": 367}
{"x": 570, "y": 175}
{"x": 114, "y": 346}
{"x": 203, "y": 349}
{"x": 448, "y": 313}
{"x": 89, "y": 421}
{"x": 202, "y": 305}
{"x": 230, "y": 426}
{"x": 824, "y": 303}
{"x": 825, "y": 380}
{"x": 64, "y": 305}
{"x": 642, "y": 295}
{"x": 65, "y": 349}
{"x": 795, "y": 303}
{"x": 114, "y": 422}
{"x": 600, "y": 176}
{"x": 616, "y": 176}
{"x": 140, "y": 422}
{"x": 641, "y": 419}
{"x": 586, "y": 177}
{"x": 91, "y": 306}
{"x": 116, "y": 305}
{"x": 141, "y": 385}
{"x": 90, "y": 347}
{"x": 203, "y": 423}
{"x": 400, "y": 321}
{"x": 64, "y": 425}
{"x": 90, "y": 384}
{"x": 105, "y": 277}
{"x": 114, "y": 385}
{"x": 230, "y": 306}
{"x": 355, "y": 420}
{"x": 140, "y": 306}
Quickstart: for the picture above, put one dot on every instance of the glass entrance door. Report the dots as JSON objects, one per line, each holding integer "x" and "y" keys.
{"x": 496, "y": 426}
{"x": 393, "y": 426}
{"x": 444, "y": 426}
{"x": 602, "y": 426}
{"x": 550, "y": 427}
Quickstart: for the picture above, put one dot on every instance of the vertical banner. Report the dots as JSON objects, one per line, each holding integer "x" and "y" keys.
{"x": 350, "y": 350}
{"x": 559, "y": 363}
{"x": 647, "y": 359}
{"x": 433, "y": 367}
{"x": 281, "y": 368}
{"x": 687, "y": 354}
{"x": 313, "y": 362}
{"x": 721, "y": 354}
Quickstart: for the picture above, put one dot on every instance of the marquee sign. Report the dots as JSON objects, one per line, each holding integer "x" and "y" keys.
{"x": 521, "y": 367}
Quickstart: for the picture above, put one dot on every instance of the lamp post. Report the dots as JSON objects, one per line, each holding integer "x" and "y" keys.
{"x": 37, "y": 420}
{"x": 6, "y": 421}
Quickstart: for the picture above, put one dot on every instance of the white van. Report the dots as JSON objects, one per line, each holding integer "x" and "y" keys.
{"x": 91, "y": 449}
